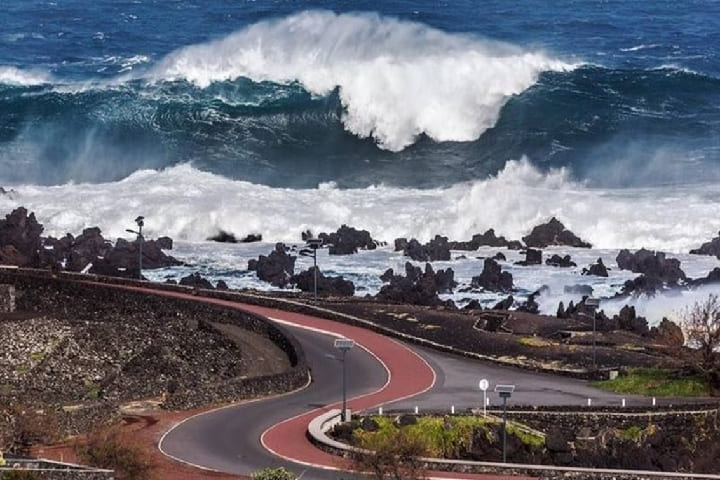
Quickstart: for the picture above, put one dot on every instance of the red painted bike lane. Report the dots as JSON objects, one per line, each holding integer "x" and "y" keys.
{"x": 408, "y": 375}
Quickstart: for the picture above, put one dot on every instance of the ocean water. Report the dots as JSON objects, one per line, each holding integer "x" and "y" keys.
{"x": 402, "y": 118}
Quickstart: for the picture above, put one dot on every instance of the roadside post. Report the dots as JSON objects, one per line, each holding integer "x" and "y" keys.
{"x": 484, "y": 384}
{"x": 505, "y": 392}
{"x": 344, "y": 345}
{"x": 140, "y": 222}
{"x": 593, "y": 303}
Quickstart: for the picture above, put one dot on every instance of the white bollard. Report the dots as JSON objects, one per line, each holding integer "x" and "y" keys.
{"x": 487, "y": 402}
{"x": 417, "y": 409}
{"x": 623, "y": 403}
{"x": 589, "y": 402}
{"x": 452, "y": 409}
{"x": 379, "y": 410}
{"x": 653, "y": 401}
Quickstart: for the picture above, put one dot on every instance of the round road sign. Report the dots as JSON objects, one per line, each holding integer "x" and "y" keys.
{"x": 484, "y": 384}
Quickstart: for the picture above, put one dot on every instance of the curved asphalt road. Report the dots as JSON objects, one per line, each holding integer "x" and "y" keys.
{"x": 458, "y": 379}
{"x": 229, "y": 439}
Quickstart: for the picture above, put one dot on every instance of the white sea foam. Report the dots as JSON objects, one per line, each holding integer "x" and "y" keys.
{"x": 396, "y": 79}
{"x": 190, "y": 204}
{"x": 639, "y": 47}
{"x": 16, "y": 76}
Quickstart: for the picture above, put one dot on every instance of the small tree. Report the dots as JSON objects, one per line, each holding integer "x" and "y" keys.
{"x": 23, "y": 426}
{"x": 701, "y": 323}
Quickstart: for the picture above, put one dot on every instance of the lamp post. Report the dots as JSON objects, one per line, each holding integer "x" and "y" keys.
{"x": 344, "y": 345}
{"x": 505, "y": 392}
{"x": 140, "y": 221}
{"x": 313, "y": 245}
{"x": 593, "y": 303}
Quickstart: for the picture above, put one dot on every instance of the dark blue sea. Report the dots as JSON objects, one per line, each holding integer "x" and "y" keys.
{"x": 406, "y": 118}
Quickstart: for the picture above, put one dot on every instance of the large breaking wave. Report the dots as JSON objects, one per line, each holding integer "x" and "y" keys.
{"x": 396, "y": 79}
{"x": 309, "y": 98}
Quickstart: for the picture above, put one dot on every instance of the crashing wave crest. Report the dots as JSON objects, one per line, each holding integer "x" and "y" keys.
{"x": 396, "y": 79}
{"x": 16, "y": 76}
{"x": 189, "y": 204}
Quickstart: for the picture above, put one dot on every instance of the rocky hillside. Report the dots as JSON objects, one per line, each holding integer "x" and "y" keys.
{"x": 79, "y": 349}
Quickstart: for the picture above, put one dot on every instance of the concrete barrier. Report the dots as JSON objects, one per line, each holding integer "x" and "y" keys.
{"x": 320, "y": 425}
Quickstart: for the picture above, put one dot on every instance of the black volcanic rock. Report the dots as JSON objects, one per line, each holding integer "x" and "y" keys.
{"x": 493, "y": 278}
{"x": 305, "y": 281}
{"x": 642, "y": 285}
{"x": 499, "y": 256}
{"x": 504, "y": 304}
{"x": 105, "y": 267}
{"x": 125, "y": 254}
{"x": 387, "y": 276}
{"x": 486, "y": 239}
{"x": 712, "y": 277}
{"x": 473, "y": 304}
{"x": 437, "y": 249}
{"x": 21, "y": 244}
{"x": 553, "y": 233}
{"x": 598, "y": 269}
{"x": 276, "y": 268}
{"x": 558, "y": 261}
{"x": 532, "y": 257}
{"x": 651, "y": 264}
{"x": 164, "y": 243}
{"x": 530, "y": 305}
{"x": 348, "y": 240}
{"x": 418, "y": 287}
{"x": 223, "y": 237}
{"x": 668, "y": 333}
{"x": 251, "y": 238}
{"x": 627, "y": 319}
{"x": 196, "y": 280}
{"x": 20, "y": 240}
{"x": 709, "y": 248}
{"x": 87, "y": 248}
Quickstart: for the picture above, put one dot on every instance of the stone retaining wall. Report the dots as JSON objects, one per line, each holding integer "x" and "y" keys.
{"x": 51, "y": 470}
{"x": 43, "y": 291}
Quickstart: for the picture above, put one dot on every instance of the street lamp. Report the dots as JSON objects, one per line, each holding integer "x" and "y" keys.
{"x": 593, "y": 304}
{"x": 344, "y": 345}
{"x": 313, "y": 245}
{"x": 140, "y": 221}
{"x": 505, "y": 392}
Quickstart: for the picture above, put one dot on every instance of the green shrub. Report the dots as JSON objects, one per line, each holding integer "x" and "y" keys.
{"x": 656, "y": 382}
{"x": 279, "y": 473}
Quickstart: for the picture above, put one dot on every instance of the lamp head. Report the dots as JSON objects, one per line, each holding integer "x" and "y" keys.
{"x": 505, "y": 391}
{"x": 314, "y": 243}
{"x": 592, "y": 303}
{"x": 344, "y": 343}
